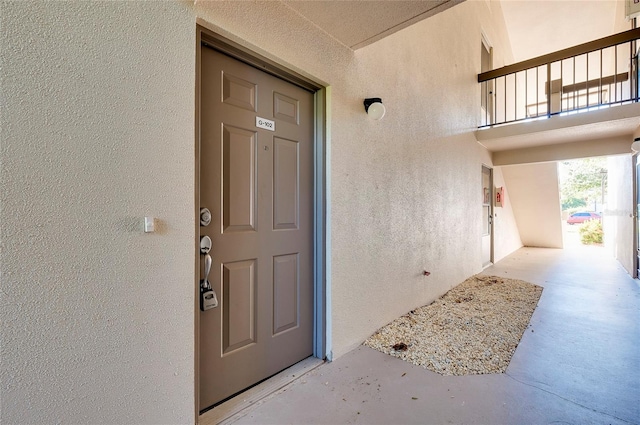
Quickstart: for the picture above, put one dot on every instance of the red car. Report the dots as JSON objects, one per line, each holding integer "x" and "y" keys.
{"x": 581, "y": 217}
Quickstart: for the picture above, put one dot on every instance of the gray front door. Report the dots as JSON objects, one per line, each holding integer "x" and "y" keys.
{"x": 487, "y": 216}
{"x": 637, "y": 215}
{"x": 256, "y": 177}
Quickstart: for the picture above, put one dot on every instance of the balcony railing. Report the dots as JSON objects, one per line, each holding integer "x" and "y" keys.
{"x": 601, "y": 73}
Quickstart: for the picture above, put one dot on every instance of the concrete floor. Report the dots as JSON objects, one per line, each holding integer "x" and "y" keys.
{"x": 578, "y": 362}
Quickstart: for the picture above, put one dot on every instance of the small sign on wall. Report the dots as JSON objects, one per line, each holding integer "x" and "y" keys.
{"x": 499, "y": 196}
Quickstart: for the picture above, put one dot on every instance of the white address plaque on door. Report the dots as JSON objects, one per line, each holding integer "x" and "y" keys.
{"x": 266, "y": 124}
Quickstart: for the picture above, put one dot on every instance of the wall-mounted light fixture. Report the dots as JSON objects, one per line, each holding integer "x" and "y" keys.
{"x": 635, "y": 146}
{"x": 374, "y": 107}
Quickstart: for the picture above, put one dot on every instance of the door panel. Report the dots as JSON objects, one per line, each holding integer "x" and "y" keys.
{"x": 238, "y": 305}
{"x": 285, "y": 108}
{"x": 239, "y": 92}
{"x": 285, "y": 292}
{"x": 239, "y": 179}
{"x": 258, "y": 185}
{"x": 285, "y": 181}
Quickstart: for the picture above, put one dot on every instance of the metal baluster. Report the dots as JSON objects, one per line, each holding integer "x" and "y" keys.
{"x": 515, "y": 96}
{"x": 561, "y": 76}
{"x": 600, "y": 86}
{"x": 615, "y": 74}
{"x": 537, "y": 92}
{"x": 587, "y": 82}
{"x": 548, "y": 90}
{"x": 574, "y": 84}
{"x": 526, "y": 92}
{"x": 632, "y": 88}
{"x": 495, "y": 97}
{"x": 505, "y": 98}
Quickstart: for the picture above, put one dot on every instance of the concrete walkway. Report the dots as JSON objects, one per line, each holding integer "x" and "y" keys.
{"x": 578, "y": 363}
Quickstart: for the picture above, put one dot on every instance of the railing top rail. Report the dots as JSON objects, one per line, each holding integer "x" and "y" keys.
{"x": 580, "y": 49}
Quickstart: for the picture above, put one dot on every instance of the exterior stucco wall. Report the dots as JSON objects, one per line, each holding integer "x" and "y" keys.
{"x": 97, "y": 132}
{"x": 618, "y": 216}
{"x": 507, "y": 237}
{"x": 403, "y": 207}
{"x": 535, "y": 199}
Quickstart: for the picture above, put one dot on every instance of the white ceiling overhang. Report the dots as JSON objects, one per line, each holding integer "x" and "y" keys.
{"x": 359, "y": 23}
{"x": 593, "y": 130}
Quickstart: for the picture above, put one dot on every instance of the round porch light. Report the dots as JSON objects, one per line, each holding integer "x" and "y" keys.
{"x": 374, "y": 108}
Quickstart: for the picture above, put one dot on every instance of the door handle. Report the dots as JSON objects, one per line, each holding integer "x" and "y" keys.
{"x": 208, "y": 297}
{"x": 207, "y": 270}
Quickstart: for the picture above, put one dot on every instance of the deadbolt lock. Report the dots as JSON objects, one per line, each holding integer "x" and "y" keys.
{"x": 205, "y": 217}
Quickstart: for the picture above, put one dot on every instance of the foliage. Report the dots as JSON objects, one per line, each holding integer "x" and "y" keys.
{"x": 573, "y": 203}
{"x": 591, "y": 232}
{"x": 583, "y": 181}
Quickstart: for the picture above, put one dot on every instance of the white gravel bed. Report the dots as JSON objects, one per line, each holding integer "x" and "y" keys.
{"x": 472, "y": 329}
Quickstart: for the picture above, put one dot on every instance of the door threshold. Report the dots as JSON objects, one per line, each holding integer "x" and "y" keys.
{"x": 231, "y": 410}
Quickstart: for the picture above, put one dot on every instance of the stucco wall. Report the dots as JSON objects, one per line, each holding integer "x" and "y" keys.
{"x": 507, "y": 237}
{"x": 535, "y": 199}
{"x": 97, "y": 132}
{"x": 403, "y": 207}
{"x": 618, "y": 216}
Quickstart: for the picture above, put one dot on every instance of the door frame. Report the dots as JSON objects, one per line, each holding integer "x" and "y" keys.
{"x": 635, "y": 161}
{"x": 490, "y": 96}
{"x": 492, "y": 215}
{"x": 321, "y": 188}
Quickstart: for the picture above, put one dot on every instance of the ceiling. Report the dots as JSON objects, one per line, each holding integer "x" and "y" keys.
{"x": 535, "y": 27}
{"x": 359, "y": 23}
{"x": 538, "y": 27}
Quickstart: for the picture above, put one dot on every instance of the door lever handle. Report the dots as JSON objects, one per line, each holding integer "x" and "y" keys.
{"x": 207, "y": 270}
{"x": 208, "y": 297}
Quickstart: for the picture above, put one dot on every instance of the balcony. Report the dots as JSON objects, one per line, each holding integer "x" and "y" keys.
{"x": 592, "y": 76}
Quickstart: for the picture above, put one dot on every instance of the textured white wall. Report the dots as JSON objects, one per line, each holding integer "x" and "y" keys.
{"x": 618, "y": 216}
{"x": 412, "y": 200}
{"x": 535, "y": 199}
{"x": 97, "y": 132}
{"x": 506, "y": 228}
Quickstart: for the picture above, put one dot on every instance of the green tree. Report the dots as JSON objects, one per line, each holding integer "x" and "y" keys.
{"x": 571, "y": 203}
{"x": 583, "y": 182}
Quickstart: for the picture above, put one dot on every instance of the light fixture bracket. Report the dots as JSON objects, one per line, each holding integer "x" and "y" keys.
{"x": 369, "y": 101}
